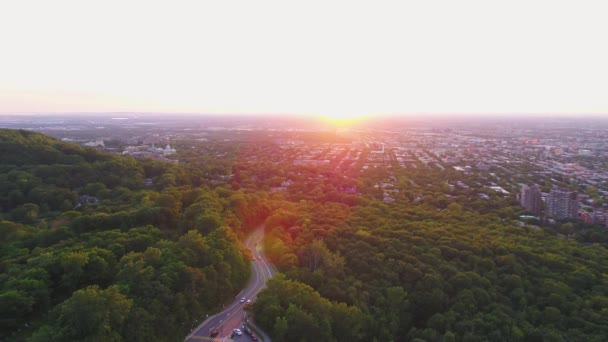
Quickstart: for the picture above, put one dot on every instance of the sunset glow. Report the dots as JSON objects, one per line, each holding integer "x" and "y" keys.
{"x": 343, "y": 118}
{"x": 340, "y": 59}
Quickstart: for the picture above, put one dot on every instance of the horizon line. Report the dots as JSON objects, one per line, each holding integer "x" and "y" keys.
{"x": 484, "y": 115}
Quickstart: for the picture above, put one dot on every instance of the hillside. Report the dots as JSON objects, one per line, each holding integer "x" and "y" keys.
{"x": 88, "y": 252}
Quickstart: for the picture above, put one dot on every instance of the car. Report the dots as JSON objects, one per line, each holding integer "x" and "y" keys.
{"x": 259, "y": 258}
{"x": 248, "y": 331}
{"x": 248, "y": 301}
{"x": 214, "y": 333}
{"x": 254, "y": 338}
{"x": 237, "y": 332}
{"x": 242, "y": 300}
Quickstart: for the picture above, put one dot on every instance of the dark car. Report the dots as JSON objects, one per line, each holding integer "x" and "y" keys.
{"x": 254, "y": 338}
{"x": 214, "y": 333}
{"x": 247, "y": 331}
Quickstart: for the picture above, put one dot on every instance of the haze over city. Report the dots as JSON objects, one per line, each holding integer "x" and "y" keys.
{"x": 339, "y": 59}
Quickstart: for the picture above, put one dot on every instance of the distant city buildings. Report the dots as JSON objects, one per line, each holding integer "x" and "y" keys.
{"x": 313, "y": 162}
{"x": 98, "y": 142}
{"x": 562, "y": 204}
{"x": 585, "y": 153}
{"x": 168, "y": 150}
{"x": 492, "y": 159}
{"x": 144, "y": 151}
{"x": 594, "y": 216}
{"x": 530, "y": 198}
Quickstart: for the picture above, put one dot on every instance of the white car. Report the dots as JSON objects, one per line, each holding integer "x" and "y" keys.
{"x": 242, "y": 300}
{"x": 248, "y": 302}
{"x": 237, "y": 332}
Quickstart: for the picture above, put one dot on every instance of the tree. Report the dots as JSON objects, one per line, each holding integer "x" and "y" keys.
{"x": 16, "y": 305}
{"x": 26, "y": 213}
{"x": 280, "y": 329}
{"x": 94, "y": 314}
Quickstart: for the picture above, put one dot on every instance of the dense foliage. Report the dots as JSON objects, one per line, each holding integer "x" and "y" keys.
{"x": 89, "y": 252}
{"x": 438, "y": 264}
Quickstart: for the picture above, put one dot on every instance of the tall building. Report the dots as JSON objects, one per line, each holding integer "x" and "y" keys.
{"x": 531, "y": 199}
{"x": 562, "y": 204}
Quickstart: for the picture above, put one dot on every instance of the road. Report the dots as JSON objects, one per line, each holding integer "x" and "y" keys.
{"x": 233, "y": 315}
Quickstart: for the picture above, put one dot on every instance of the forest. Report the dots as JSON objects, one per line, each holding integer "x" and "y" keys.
{"x": 89, "y": 252}
{"x": 418, "y": 274}
{"x": 103, "y": 247}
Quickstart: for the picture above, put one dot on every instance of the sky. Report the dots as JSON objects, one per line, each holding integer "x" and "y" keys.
{"x": 334, "y": 58}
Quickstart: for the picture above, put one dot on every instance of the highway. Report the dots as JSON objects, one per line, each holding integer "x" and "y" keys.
{"x": 234, "y": 314}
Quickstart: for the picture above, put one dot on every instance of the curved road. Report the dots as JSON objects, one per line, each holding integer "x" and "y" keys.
{"x": 233, "y": 316}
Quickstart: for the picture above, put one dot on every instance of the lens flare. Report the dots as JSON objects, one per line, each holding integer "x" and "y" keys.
{"x": 343, "y": 118}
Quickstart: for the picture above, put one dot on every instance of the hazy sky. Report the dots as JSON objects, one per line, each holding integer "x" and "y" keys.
{"x": 322, "y": 57}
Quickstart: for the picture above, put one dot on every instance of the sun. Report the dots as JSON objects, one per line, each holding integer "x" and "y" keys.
{"x": 342, "y": 118}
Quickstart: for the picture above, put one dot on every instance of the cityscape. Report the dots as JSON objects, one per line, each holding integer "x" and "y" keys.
{"x": 555, "y": 168}
{"x": 293, "y": 210}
